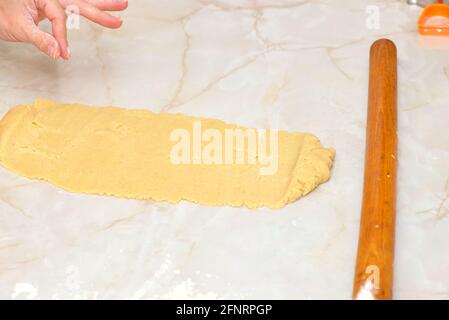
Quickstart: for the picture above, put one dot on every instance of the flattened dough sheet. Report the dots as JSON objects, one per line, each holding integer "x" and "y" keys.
{"x": 126, "y": 153}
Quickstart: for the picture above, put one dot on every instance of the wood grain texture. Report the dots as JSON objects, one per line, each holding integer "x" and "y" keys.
{"x": 374, "y": 266}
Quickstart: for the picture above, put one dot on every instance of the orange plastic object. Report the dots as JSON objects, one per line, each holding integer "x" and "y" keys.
{"x": 434, "y": 20}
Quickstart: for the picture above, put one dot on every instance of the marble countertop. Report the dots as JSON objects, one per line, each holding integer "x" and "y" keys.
{"x": 297, "y": 65}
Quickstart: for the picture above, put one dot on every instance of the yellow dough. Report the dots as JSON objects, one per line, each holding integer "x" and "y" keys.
{"x": 144, "y": 155}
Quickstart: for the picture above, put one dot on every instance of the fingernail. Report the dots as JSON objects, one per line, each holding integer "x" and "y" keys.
{"x": 53, "y": 51}
{"x": 68, "y": 53}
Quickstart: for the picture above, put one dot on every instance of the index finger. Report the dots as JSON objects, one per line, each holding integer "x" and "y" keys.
{"x": 56, "y": 14}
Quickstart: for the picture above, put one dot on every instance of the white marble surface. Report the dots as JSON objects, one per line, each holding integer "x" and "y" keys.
{"x": 297, "y": 65}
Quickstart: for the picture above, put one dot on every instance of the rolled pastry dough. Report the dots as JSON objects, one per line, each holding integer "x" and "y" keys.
{"x": 126, "y": 153}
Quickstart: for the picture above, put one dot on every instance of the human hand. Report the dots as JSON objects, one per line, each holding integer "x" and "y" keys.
{"x": 19, "y": 21}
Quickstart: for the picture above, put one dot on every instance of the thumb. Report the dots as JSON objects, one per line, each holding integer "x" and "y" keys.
{"x": 44, "y": 41}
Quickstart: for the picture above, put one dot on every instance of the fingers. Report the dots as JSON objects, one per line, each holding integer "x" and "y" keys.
{"x": 56, "y": 46}
{"x": 56, "y": 14}
{"x": 43, "y": 41}
{"x": 94, "y": 14}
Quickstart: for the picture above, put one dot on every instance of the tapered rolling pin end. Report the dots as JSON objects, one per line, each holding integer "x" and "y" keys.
{"x": 383, "y": 44}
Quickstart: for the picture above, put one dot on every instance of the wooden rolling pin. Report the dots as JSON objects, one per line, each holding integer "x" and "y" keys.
{"x": 374, "y": 266}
